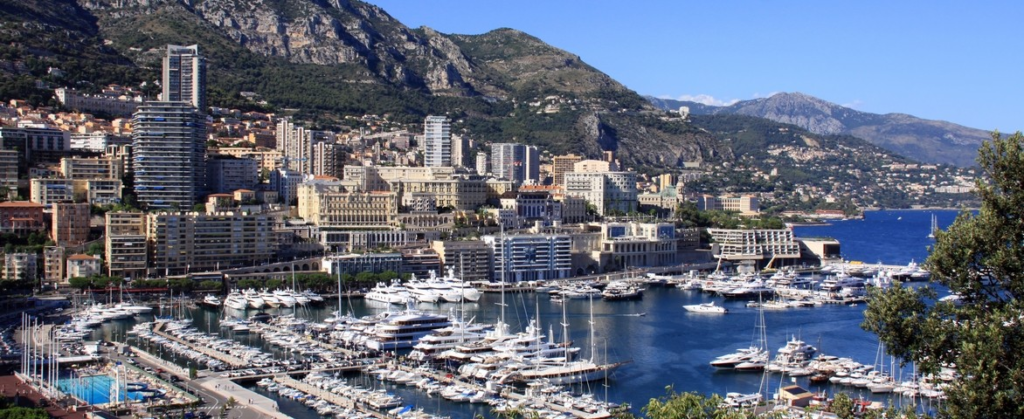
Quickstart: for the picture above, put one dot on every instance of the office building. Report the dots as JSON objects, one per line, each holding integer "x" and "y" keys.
{"x": 745, "y": 204}
{"x": 437, "y": 142}
{"x": 184, "y": 76}
{"x": 35, "y": 142}
{"x": 169, "y": 155}
{"x": 70, "y": 226}
{"x": 326, "y": 203}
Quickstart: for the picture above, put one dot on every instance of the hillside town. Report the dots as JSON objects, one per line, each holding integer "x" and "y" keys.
{"x": 118, "y": 192}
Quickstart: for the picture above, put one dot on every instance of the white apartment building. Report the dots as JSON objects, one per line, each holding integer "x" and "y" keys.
{"x": 50, "y": 190}
{"x": 437, "y": 142}
{"x": 608, "y": 192}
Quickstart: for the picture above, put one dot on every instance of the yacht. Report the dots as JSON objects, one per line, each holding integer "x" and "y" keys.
{"x": 253, "y": 299}
{"x": 706, "y": 308}
{"x": 462, "y": 288}
{"x": 795, "y": 354}
{"x": 738, "y": 357}
{"x": 270, "y": 299}
{"x": 447, "y": 338}
{"x": 211, "y": 300}
{"x": 403, "y": 330}
{"x": 286, "y": 298}
{"x": 313, "y": 297}
{"x": 235, "y": 300}
{"x": 423, "y": 291}
{"x": 841, "y": 280}
{"x": 392, "y": 294}
{"x": 622, "y": 290}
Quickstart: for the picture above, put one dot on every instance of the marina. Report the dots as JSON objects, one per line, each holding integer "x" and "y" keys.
{"x": 825, "y": 352}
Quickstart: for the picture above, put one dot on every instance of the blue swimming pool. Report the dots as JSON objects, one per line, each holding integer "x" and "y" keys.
{"x": 95, "y": 389}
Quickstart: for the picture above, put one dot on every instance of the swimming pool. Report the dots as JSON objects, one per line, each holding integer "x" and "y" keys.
{"x": 95, "y": 389}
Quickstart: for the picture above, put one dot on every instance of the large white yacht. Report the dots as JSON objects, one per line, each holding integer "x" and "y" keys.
{"x": 254, "y": 299}
{"x": 235, "y": 300}
{"x": 392, "y": 294}
{"x": 402, "y": 331}
{"x": 705, "y": 308}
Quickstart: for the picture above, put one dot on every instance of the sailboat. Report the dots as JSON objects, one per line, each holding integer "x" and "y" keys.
{"x": 935, "y": 227}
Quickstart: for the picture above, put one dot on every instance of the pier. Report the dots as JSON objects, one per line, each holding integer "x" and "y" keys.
{"x": 333, "y": 398}
{"x": 233, "y": 361}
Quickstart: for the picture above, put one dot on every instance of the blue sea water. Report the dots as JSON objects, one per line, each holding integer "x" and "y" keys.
{"x": 669, "y": 346}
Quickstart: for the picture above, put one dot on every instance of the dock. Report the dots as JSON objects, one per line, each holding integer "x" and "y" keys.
{"x": 330, "y": 397}
{"x": 233, "y": 361}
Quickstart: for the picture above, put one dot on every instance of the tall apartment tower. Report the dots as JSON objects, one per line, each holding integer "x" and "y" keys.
{"x": 519, "y": 163}
{"x": 184, "y": 76}
{"x": 169, "y": 152}
{"x": 483, "y": 166}
{"x": 296, "y": 146}
{"x": 560, "y": 165}
{"x": 437, "y": 141}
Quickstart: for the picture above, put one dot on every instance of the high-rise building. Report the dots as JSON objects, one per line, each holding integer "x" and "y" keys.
{"x": 295, "y": 144}
{"x": 482, "y": 166}
{"x": 126, "y": 252}
{"x": 609, "y": 192}
{"x": 184, "y": 76}
{"x": 560, "y": 165}
{"x": 325, "y": 159}
{"x": 8, "y": 174}
{"x": 169, "y": 154}
{"x": 519, "y": 163}
{"x": 437, "y": 140}
{"x": 230, "y": 174}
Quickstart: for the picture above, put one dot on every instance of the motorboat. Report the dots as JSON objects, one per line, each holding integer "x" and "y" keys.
{"x": 705, "y": 308}
{"x": 212, "y": 301}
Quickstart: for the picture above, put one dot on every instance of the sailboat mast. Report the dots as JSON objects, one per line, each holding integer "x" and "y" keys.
{"x": 593, "y": 344}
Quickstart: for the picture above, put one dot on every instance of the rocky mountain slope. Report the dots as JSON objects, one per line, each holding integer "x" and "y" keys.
{"x": 920, "y": 139}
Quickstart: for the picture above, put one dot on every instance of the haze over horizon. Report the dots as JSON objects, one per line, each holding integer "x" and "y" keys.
{"x": 935, "y": 60}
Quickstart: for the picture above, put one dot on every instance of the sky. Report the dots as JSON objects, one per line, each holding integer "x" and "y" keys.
{"x": 957, "y": 61}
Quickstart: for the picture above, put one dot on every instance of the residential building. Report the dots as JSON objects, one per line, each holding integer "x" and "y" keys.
{"x": 482, "y": 164}
{"x": 295, "y": 143}
{"x": 21, "y": 217}
{"x": 184, "y": 76}
{"x": 470, "y": 259}
{"x": 8, "y": 174}
{"x": 126, "y": 251}
{"x": 70, "y": 226}
{"x": 327, "y": 158}
{"x": 268, "y": 160}
{"x": 99, "y": 191}
{"x": 530, "y": 257}
{"x": 20, "y": 267}
{"x": 225, "y": 175}
{"x": 47, "y": 191}
{"x": 184, "y": 242}
{"x": 35, "y": 142}
{"x": 437, "y": 140}
{"x": 420, "y": 261}
{"x": 461, "y": 147}
{"x": 609, "y": 192}
{"x": 108, "y": 104}
{"x": 83, "y": 266}
{"x": 54, "y": 258}
{"x": 169, "y": 155}
{"x": 285, "y": 182}
{"x": 92, "y": 168}
{"x": 574, "y": 209}
{"x": 594, "y": 166}
{"x": 98, "y": 141}
{"x": 560, "y": 165}
{"x": 519, "y": 163}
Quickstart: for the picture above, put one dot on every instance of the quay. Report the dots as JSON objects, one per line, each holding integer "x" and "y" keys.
{"x": 333, "y": 398}
{"x": 260, "y": 327}
{"x": 233, "y": 361}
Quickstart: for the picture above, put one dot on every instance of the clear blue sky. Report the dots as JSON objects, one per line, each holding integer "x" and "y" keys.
{"x": 958, "y": 61}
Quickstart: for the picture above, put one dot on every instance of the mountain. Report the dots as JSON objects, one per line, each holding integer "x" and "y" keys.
{"x": 923, "y": 140}
{"x": 324, "y": 59}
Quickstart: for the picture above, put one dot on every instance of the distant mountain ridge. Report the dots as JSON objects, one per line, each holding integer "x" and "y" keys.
{"x": 927, "y": 141}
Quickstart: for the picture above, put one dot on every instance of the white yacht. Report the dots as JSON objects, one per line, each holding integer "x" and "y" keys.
{"x": 447, "y": 338}
{"x": 422, "y": 291}
{"x": 795, "y": 354}
{"x": 392, "y": 294}
{"x": 462, "y": 289}
{"x": 286, "y": 298}
{"x": 235, "y": 300}
{"x": 211, "y": 300}
{"x": 254, "y": 299}
{"x": 706, "y": 308}
{"x": 269, "y": 299}
{"x": 402, "y": 331}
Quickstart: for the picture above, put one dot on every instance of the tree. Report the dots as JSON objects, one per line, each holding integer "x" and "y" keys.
{"x": 981, "y": 259}
{"x": 688, "y": 405}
